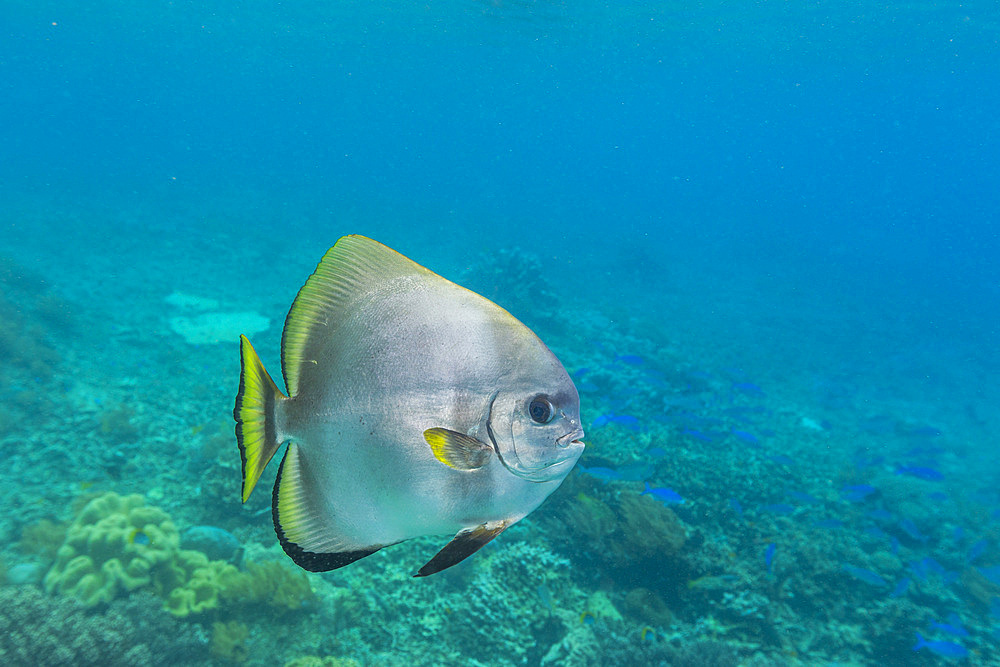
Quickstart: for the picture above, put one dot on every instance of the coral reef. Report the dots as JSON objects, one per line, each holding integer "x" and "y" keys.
{"x": 229, "y": 641}
{"x": 115, "y": 544}
{"x": 36, "y": 629}
{"x": 279, "y": 586}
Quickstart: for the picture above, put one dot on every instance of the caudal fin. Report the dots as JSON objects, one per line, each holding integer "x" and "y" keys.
{"x": 254, "y": 414}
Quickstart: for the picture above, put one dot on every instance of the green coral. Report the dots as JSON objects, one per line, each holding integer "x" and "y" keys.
{"x": 116, "y": 544}
{"x": 636, "y": 528}
{"x": 199, "y": 582}
{"x": 270, "y": 583}
{"x": 327, "y": 661}
{"x": 229, "y": 641}
{"x": 651, "y": 530}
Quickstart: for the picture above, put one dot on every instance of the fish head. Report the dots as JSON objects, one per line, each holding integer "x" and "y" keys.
{"x": 536, "y": 430}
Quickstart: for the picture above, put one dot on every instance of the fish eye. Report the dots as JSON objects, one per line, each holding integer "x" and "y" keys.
{"x": 541, "y": 410}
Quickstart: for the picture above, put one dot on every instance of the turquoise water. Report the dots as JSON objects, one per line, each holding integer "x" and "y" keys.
{"x": 761, "y": 238}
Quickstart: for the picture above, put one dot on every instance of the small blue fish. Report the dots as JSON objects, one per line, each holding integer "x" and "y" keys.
{"x": 580, "y": 372}
{"x": 664, "y": 495}
{"x": 657, "y": 452}
{"x": 139, "y": 537}
{"x": 635, "y": 472}
{"x": 920, "y": 472}
{"x": 748, "y": 388}
{"x": 856, "y": 492}
{"x": 803, "y": 498}
{"x": 992, "y": 573}
{"x": 782, "y": 459}
{"x": 867, "y": 576}
{"x": 628, "y": 421}
{"x": 953, "y": 626}
{"x": 882, "y": 515}
{"x": 912, "y": 531}
{"x": 735, "y": 504}
{"x": 603, "y": 474}
{"x": 941, "y": 648}
{"x": 901, "y": 587}
{"x": 746, "y": 437}
{"x": 632, "y": 359}
{"x": 977, "y": 550}
{"x": 778, "y": 508}
{"x": 926, "y": 566}
{"x": 828, "y": 523}
{"x": 769, "y": 555}
{"x": 696, "y": 434}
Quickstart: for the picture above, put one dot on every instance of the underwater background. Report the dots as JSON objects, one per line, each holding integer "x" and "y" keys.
{"x": 761, "y": 236}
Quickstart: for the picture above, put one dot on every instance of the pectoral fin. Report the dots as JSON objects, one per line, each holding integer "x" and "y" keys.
{"x": 457, "y": 450}
{"x": 465, "y": 543}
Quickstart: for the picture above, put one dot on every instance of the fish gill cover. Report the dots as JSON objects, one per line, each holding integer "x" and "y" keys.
{"x": 760, "y": 237}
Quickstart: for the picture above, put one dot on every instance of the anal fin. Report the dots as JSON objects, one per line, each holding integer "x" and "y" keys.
{"x": 296, "y": 519}
{"x": 464, "y": 544}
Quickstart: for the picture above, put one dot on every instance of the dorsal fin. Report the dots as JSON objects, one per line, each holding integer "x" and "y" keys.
{"x": 353, "y": 267}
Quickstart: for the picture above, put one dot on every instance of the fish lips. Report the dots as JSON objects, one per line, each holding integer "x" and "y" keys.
{"x": 568, "y": 450}
{"x": 571, "y": 438}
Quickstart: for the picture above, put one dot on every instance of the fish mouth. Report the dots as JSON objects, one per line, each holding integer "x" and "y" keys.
{"x": 571, "y": 438}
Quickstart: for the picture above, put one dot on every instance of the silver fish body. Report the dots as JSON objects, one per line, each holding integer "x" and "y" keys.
{"x": 415, "y": 407}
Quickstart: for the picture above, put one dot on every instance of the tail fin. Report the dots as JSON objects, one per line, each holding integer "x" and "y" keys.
{"x": 254, "y": 414}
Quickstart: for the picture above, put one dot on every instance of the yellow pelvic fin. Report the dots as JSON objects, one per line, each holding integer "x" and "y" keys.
{"x": 457, "y": 450}
{"x": 254, "y": 414}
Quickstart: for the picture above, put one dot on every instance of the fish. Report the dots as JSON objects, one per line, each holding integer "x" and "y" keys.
{"x": 633, "y": 359}
{"x": 415, "y": 407}
{"x": 977, "y": 550}
{"x": 939, "y": 647}
{"x": 921, "y": 472}
{"x": 778, "y": 508}
{"x": 713, "y": 582}
{"x": 952, "y": 626}
{"x": 803, "y": 497}
{"x": 736, "y": 506}
{"x": 748, "y": 388}
{"x": 901, "y": 587}
{"x": 628, "y": 421}
{"x": 867, "y": 576}
{"x": 600, "y": 472}
{"x": 664, "y": 495}
{"x": 856, "y": 492}
{"x": 912, "y": 530}
{"x": 769, "y": 555}
{"x": 746, "y": 437}
{"x": 636, "y": 471}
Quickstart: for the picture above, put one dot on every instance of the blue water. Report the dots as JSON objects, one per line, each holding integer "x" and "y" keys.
{"x": 761, "y": 237}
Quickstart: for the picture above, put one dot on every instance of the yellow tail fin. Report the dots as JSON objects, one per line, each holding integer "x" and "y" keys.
{"x": 254, "y": 414}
